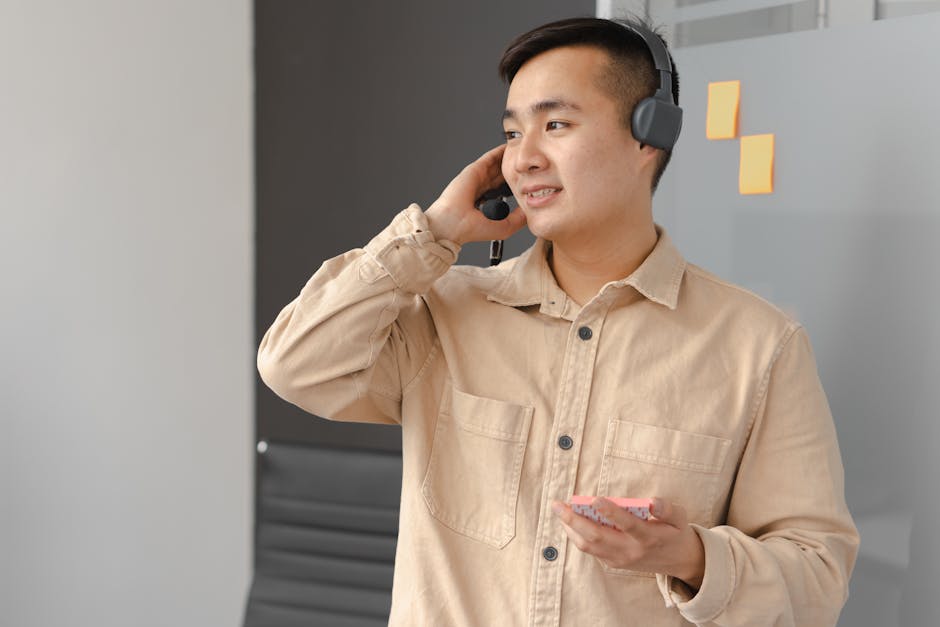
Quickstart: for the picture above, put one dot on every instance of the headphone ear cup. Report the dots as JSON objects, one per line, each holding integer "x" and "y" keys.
{"x": 656, "y": 123}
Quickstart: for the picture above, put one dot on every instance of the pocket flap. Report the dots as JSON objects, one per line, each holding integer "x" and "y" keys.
{"x": 488, "y": 416}
{"x": 668, "y": 447}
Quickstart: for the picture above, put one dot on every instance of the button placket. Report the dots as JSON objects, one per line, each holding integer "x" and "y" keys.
{"x": 574, "y": 391}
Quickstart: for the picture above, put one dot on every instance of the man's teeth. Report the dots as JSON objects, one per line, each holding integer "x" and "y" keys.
{"x": 543, "y": 192}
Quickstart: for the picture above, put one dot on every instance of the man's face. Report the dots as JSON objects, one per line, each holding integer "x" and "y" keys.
{"x": 576, "y": 171}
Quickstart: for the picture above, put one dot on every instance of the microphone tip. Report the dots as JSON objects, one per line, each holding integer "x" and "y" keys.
{"x": 495, "y": 209}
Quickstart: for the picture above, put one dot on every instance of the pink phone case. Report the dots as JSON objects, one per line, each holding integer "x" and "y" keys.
{"x": 638, "y": 507}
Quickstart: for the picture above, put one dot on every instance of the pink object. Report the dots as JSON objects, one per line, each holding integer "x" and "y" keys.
{"x": 638, "y": 507}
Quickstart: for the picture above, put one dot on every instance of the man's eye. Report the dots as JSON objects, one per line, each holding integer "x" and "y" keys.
{"x": 555, "y": 125}
{"x": 511, "y": 134}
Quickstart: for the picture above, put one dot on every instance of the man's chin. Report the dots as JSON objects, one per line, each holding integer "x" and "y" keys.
{"x": 543, "y": 226}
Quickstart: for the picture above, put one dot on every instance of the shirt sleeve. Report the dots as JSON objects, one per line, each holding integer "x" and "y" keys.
{"x": 359, "y": 331}
{"x": 786, "y": 553}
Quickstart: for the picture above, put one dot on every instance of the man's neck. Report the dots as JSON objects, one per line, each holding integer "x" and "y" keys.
{"x": 582, "y": 271}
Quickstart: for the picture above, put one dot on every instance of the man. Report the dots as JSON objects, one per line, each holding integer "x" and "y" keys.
{"x": 599, "y": 362}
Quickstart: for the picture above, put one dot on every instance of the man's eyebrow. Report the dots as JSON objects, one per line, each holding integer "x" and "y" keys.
{"x": 553, "y": 104}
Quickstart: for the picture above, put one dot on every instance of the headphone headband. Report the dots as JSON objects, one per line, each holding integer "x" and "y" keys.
{"x": 661, "y": 59}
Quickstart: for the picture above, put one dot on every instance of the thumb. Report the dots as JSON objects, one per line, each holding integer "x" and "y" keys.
{"x": 512, "y": 223}
{"x": 669, "y": 513}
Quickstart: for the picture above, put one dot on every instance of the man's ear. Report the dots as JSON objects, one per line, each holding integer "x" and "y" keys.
{"x": 649, "y": 156}
{"x": 649, "y": 159}
{"x": 648, "y": 150}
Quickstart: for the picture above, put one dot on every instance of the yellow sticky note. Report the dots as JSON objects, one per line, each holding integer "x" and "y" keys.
{"x": 757, "y": 164}
{"x": 722, "y": 118}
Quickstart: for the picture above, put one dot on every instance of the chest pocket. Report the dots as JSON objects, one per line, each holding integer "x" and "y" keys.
{"x": 472, "y": 480}
{"x": 643, "y": 460}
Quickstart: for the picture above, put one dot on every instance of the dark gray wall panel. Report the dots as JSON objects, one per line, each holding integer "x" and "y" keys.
{"x": 361, "y": 109}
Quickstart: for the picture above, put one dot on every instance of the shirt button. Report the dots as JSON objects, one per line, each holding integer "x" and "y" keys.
{"x": 550, "y": 553}
{"x": 565, "y": 442}
{"x": 585, "y": 333}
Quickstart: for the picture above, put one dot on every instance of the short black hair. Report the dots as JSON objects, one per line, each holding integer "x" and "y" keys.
{"x": 631, "y": 74}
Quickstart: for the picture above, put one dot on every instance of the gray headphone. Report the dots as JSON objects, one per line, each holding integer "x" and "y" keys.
{"x": 657, "y": 119}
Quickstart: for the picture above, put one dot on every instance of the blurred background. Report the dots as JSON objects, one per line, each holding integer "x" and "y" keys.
{"x": 172, "y": 173}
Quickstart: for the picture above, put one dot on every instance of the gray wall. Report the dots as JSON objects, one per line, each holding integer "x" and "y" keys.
{"x": 127, "y": 380}
{"x": 846, "y": 243}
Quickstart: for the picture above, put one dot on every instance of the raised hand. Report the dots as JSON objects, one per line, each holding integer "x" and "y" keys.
{"x": 453, "y": 216}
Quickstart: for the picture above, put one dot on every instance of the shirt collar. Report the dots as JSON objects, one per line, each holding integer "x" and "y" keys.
{"x": 529, "y": 280}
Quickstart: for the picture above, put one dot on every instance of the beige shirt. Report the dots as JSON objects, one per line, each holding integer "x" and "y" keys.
{"x": 669, "y": 383}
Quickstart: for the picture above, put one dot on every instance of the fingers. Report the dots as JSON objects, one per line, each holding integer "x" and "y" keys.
{"x": 492, "y": 161}
{"x": 622, "y": 519}
{"x": 490, "y": 167}
{"x": 486, "y": 171}
{"x": 454, "y": 215}
{"x": 511, "y": 223}
{"x": 586, "y": 534}
{"x": 662, "y": 511}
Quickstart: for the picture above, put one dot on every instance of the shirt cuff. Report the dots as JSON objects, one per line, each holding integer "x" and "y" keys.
{"x": 409, "y": 253}
{"x": 717, "y": 584}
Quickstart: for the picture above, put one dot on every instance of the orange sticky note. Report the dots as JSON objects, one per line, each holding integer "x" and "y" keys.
{"x": 757, "y": 164}
{"x": 722, "y": 119}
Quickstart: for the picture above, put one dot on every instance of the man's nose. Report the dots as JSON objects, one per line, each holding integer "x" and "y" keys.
{"x": 529, "y": 154}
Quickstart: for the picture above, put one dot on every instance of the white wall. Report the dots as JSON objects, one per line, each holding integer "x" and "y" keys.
{"x": 126, "y": 247}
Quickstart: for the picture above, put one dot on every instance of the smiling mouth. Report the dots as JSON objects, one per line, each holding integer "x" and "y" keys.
{"x": 542, "y": 193}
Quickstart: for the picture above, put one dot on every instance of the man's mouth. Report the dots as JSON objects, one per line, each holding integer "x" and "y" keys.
{"x": 545, "y": 191}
